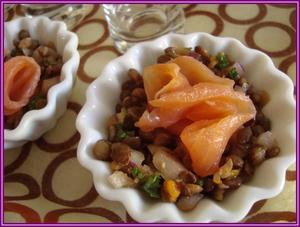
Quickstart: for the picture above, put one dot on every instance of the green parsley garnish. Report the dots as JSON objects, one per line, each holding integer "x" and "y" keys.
{"x": 153, "y": 185}
{"x": 233, "y": 74}
{"x": 222, "y": 61}
{"x": 121, "y": 134}
{"x": 136, "y": 172}
{"x": 200, "y": 182}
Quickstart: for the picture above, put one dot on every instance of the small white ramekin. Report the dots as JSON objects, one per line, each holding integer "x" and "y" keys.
{"x": 34, "y": 123}
{"x": 269, "y": 177}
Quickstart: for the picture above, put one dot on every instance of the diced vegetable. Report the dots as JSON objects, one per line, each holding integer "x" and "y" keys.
{"x": 222, "y": 61}
{"x": 119, "y": 179}
{"x": 233, "y": 74}
{"x": 239, "y": 69}
{"x": 191, "y": 189}
{"x": 223, "y": 172}
{"x": 153, "y": 185}
{"x": 169, "y": 166}
{"x": 266, "y": 140}
{"x": 121, "y": 134}
{"x": 136, "y": 157}
{"x": 171, "y": 191}
{"x": 136, "y": 172}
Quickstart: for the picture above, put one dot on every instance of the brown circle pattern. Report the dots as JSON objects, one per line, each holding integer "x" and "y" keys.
{"x": 23, "y": 171}
{"x": 28, "y": 181}
{"x": 293, "y": 19}
{"x": 286, "y": 63}
{"x": 20, "y": 159}
{"x": 219, "y": 23}
{"x": 30, "y": 215}
{"x": 189, "y": 7}
{"x": 53, "y": 216}
{"x": 47, "y": 189}
{"x": 129, "y": 219}
{"x": 291, "y": 175}
{"x": 269, "y": 217}
{"x": 284, "y": 6}
{"x": 92, "y": 12}
{"x": 261, "y": 14}
{"x": 257, "y": 206}
{"x": 81, "y": 73}
{"x": 249, "y": 37}
{"x": 100, "y": 40}
{"x": 52, "y": 147}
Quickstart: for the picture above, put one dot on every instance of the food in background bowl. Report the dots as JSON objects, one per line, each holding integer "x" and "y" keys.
{"x": 191, "y": 126}
{"x": 28, "y": 38}
{"x": 30, "y": 70}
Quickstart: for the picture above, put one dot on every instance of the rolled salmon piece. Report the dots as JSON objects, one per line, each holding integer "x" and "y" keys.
{"x": 196, "y": 72}
{"x": 21, "y": 77}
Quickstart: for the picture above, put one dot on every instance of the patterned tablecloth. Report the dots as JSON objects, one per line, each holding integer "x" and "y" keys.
{"x": 44, "y": 181}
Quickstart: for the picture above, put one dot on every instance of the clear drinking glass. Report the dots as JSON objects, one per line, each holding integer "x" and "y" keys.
{"x": 132, "y": 23}
{"x": 71, "y": 14}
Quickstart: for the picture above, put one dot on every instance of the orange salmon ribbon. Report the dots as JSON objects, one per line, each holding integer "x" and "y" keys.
{"x": 21, "y": 77}
{"x": 189, "y": 100}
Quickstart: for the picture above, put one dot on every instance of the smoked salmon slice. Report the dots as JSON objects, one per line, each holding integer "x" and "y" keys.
{"x": 177, "y": 127}
{"x": 191, "y": 96}
{"x": 196, "y": 72}
{"x": 189, "y": 100}
{"x": 159, "y": 117}
{"x": 21, "y": 77}
{"x": 206, "y": 140}
{"x": 202, "y": 101}
{"x": 162, "y": 78}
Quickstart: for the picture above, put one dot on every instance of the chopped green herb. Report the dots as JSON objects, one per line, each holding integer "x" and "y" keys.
{"x": 153, "y": 185}
{"x": 121, "y": 134}
{"x": 233, "y": 74}
{"x": 140, "y": 175}
{"x": 135, "y": 171}
{"x": 222, "y": 61}
{"x": 200, "y": 182}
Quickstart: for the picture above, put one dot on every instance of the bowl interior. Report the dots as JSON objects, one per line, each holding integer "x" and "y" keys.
{"x": 103, "y": 95}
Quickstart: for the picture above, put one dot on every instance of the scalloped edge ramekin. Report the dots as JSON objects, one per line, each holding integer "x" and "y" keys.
{"x": 36, "y": 122}
{"x": 269, "y": 178}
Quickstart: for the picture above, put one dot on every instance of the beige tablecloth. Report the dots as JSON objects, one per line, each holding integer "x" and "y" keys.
{"x": 44, "y": 181}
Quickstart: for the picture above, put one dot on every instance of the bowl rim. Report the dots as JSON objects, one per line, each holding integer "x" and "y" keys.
{"x": 87, "y": 162}
{"x": 32, "y": 117}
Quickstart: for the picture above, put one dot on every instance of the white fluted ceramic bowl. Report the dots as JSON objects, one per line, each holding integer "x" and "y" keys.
{"x": 36, "y": 122}
{"x": 268, "y": 180}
